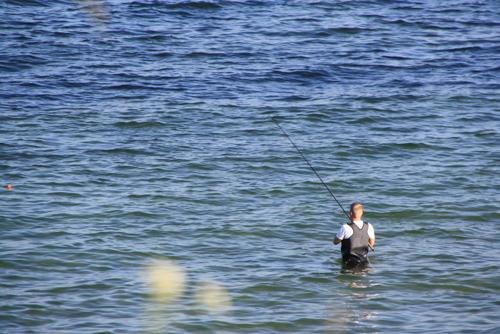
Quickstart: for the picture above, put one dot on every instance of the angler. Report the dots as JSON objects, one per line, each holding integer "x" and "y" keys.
{"x": 355, "y": 237}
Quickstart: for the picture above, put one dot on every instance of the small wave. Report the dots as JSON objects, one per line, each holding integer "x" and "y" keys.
{"x": 408, "y": 146}
{"x": 199, "y": 166}
{"x": 396, "y": 57}
{"x": 365, "y": 120}
{"x": 297, "y": 75}
{"x": 139, "y": 214}
{"x": 484, "y": 133}
{"x": 266, "y": 288}
{"x": 446, "y": 10}
{"x": 316, "y": 117}
{"x": 304, "y": 322}
{"x": 277, "y": 192}
{"x": 304, "y": 73}
{"x": 196, "y": 5}
{"x": 118, "y": 151}
{"x": 129, "y": 87}
{"x": 163, "y": 54}
{"x": 128, "y": 214}
{"x": 404, "y": 83}
{"x": 413, "y": 146}
{"x": 153, "y": 37}
{"x": 138, "y": 125}
{"x": 341, "y": 30}
{"x": 28, "y": 3}
{"x": 63, "y": 204}
{"x": 293, "y": 98}
{"x": 177, "y": 4}
{"x": 399, "y": 22}
{"x": 461, "y": 49}
{"x": 148, "y": 196}
{"x": 78, "y": 288}
{"x": 21, "y": 62}
{"x": 197, "y": 54}
{"x": 495, "y": 330}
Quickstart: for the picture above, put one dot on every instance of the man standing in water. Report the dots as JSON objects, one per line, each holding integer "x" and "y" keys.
{"x": 355, "y": 237}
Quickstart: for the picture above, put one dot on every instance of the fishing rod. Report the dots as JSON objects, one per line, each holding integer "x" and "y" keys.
{"x": 313, "y": 169}
{"x": 315, "y": 172}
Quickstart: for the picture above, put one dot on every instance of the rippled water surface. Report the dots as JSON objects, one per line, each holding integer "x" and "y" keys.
{"x": 133, "y": 131}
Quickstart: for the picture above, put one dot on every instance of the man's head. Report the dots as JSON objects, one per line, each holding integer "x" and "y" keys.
{"x": 356, "y": 211}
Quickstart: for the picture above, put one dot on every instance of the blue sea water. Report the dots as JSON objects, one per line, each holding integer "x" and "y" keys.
{"x": 141, "y": 130}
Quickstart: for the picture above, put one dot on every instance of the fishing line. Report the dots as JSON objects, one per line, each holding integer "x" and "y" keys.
{"x": 313, "y": 169}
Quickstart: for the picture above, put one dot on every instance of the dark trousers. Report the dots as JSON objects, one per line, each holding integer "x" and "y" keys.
{"x": 354, "y": 262}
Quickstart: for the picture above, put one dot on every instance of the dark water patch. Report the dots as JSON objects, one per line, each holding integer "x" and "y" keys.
{"x": 151, "y": 37}
{"x": 135, "y": 214}
{"x": 431, "y": 231}
{"x": 341, "y": 30}
{"x": 163, "y": 54}
{"x": 296, "y": 98}
{"x": 461, "y": 49}
{"x": 21, "y": 62}
{"x": 199, "y": 166}
{"x": 366, "y": 120}
{"x": 127, "y": 87}
{"x": 203, "y": 5}
{"x": 177, "y": 4}
{"x": 492, "y": 69}
{"x": 491, "y": 331}
{"x": 148, "y": 196}
{"x": 80, "y": 288}
{"x": 139, "y": 125}
{"x": 119, "y": 151}
{"x": 205, "y": 54}
{"x": 266, "y": 288}
{"x": 413, "y": 146}
{"x": 399, "y": 22}
{"x": 397, "y": 57}
{"x": 406, "y": 83}
{"x": 316, "y": 116}
{"x": 9, "y": 265}
{"x": 64, "y": 194}
{"x": 38, "y": 3}
{"x": 482, "y": 23}
{"x": 31, "y": 85}
{"x": 320, "y": 280}
{"x": 401, "y": 147}
{"x": 64, "y": 204}
{"x": 406, "y": 214}
{"x": 298, "y": 75}
{"x": 456, "y": 288}
{"x": 484, "y": 133}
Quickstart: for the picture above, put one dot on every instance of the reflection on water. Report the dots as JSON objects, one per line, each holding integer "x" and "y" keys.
{"x": 165, "y": 280}
{"x": 357, "y": 270}
{"x": 94, "y": 9}
{"x": 351, "y": 312}
{"x": 213, "y": 297}
{"x": 166, "y": 283}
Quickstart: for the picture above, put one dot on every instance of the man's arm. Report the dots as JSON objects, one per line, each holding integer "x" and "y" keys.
{"x": 371, "y": 243}
{"x": 340, "y": 235}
